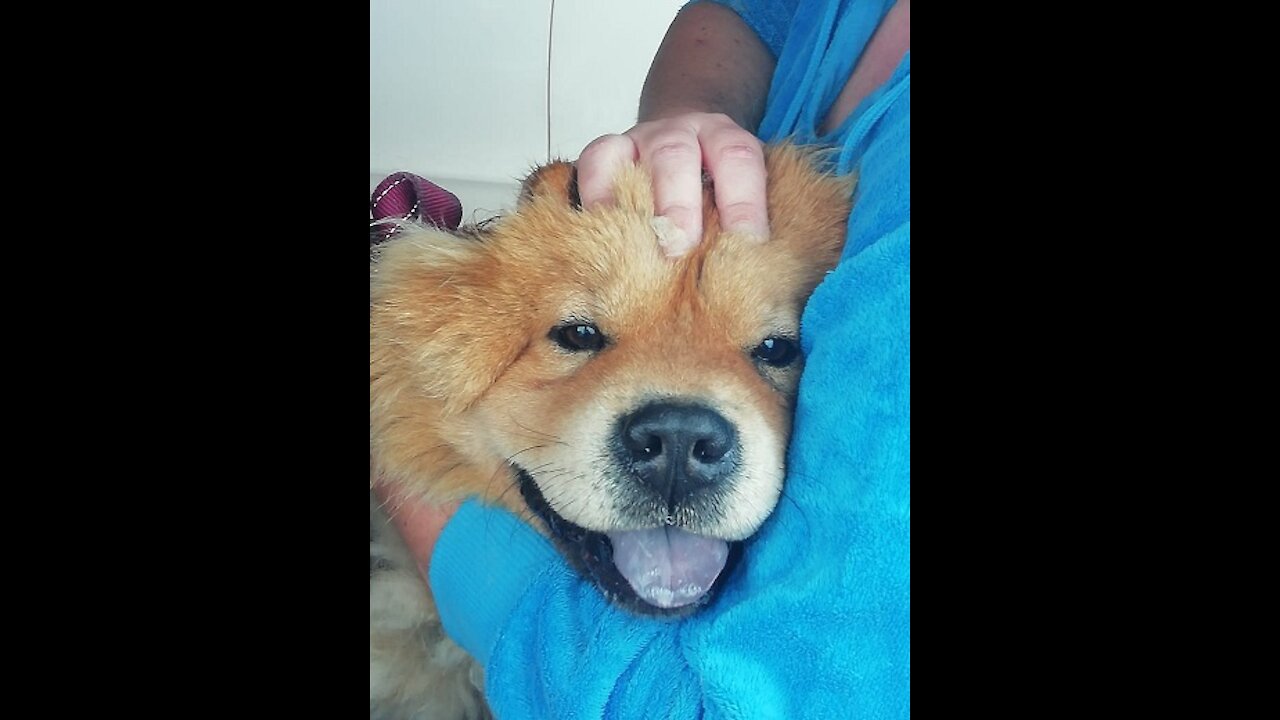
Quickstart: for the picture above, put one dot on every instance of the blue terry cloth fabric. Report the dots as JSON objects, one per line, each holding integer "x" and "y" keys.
{"x": 817, "y": 621}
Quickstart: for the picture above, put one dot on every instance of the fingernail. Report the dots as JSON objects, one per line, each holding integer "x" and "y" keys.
{"x": 598, "y": 203}
{"x": 751, "y": 231}
{"x": 673, "y": 240}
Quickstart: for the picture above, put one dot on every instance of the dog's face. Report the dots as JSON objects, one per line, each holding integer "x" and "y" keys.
{"x": 639, "y": 405}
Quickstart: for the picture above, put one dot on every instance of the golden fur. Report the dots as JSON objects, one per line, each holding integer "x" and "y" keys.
{"x": 465, "y": 384}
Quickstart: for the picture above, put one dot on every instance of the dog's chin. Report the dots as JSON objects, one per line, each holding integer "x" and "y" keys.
{"x": 591, "y": 553}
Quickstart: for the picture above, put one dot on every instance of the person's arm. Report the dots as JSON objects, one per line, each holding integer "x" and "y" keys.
{"x": 710, "y": 61}
{"x": 418, "y": 522}
{"x": 704, "y": 94}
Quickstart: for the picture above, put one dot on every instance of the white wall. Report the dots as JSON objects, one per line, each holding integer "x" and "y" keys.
{"x": 458, "y": 90}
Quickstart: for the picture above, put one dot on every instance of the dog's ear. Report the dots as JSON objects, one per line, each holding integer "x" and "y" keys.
{"x": 442, "y": 326}
{"x": 808, "y": 205}
{"x": 556, "y": 181}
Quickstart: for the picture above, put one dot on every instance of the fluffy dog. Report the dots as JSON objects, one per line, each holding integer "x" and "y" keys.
{"x": 633, "y": 408}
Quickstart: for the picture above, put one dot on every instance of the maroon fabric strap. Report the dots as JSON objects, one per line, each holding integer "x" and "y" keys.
{"x": 405, "y": 196}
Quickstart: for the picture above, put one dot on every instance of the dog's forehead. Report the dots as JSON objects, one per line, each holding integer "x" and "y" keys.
{"x": 774, "y": 276}
{"x": 610, "y": 263}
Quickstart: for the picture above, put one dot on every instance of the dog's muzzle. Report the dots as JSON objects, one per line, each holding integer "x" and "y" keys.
{"x": 677, "y": 451}
{"x": 672, "y": 460}
{"x": 663, "y": 571}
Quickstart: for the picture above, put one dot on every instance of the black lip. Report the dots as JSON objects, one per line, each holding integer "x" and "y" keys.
{"x": 591, "y": 554}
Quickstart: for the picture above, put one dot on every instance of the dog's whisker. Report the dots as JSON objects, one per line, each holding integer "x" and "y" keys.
{"x": 531, "y": 447}
{"x": 541, "y": 471}
{"x": 510, "y": 482}
{"x": 507, "y": 489}
{"x": 445, "y": 474}
{"x": 424, "y": 453}
{"x": 538, "y": 433}
{"x": 783, "y": 494}
{"x": 506, "y": 464}
{"x": 382, "y": 505}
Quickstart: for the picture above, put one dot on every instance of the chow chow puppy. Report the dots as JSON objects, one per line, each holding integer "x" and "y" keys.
{"x": 633, "y": 408}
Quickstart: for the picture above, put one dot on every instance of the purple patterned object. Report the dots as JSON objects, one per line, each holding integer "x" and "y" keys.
{"x": 405, "y": 196}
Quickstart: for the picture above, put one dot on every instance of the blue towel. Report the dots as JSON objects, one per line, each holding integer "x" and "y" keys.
{"x": 817, "y": 623}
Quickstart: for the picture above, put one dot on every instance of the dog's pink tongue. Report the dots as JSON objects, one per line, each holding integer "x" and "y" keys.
{"x": 668, "y": 567}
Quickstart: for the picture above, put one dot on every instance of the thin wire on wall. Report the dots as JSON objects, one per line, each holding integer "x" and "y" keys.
{"x": 551, "y": 24}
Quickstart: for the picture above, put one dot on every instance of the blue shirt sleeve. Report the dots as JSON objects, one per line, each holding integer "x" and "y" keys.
{"x": 557, "y": 648}
{"x": 769, "y": 20}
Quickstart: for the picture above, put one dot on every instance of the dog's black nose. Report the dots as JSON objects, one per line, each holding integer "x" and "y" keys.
{"x": 676, "y": 448}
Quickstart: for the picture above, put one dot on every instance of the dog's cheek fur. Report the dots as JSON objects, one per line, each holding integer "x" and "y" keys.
{"x": 436, "y": 315}
{"x": 441, "y": 333}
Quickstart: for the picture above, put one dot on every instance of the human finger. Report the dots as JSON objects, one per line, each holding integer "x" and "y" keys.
{"x": 674, "y": 160}
{"x": 598, "y": 164}
{"x": 734, "y": 159}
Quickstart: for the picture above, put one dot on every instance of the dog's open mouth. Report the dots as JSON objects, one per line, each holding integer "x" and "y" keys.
{"x": 666, "y": 572}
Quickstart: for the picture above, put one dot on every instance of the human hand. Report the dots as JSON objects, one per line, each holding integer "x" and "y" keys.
{"x": 418, "y": 522}
{"x": 675, "y": 149}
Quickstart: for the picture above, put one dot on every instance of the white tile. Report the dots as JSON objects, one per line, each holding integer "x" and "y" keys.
{"x": 457, "y": 89}
{"x": 600, "y": 55}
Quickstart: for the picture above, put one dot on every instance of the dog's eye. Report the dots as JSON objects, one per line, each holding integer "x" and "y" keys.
{"x": 578, "y": 337}
{"x": 776, "y": 351}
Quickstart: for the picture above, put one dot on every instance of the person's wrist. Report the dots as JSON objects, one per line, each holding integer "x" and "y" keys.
{"x": 418, "y": 522}
{"x": 669, "y": 112}
{"x": 703, "y": 114}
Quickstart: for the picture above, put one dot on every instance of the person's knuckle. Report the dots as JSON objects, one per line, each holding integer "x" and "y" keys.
{"x": 740, "y": 210}
{"x": 673, "y": 148}
{"x": 602, "y": 147}
{"x": 738, "y": 213}
{"x": 740, "y": 151}
{"x": 604, "y": 141}
{"x": 716, "y": 119}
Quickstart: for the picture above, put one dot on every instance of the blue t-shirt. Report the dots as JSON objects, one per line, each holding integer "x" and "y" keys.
{"x": 817, "y": 622}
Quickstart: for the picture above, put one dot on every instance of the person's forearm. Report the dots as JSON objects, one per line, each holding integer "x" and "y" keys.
{"x": 710, "y": 61}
